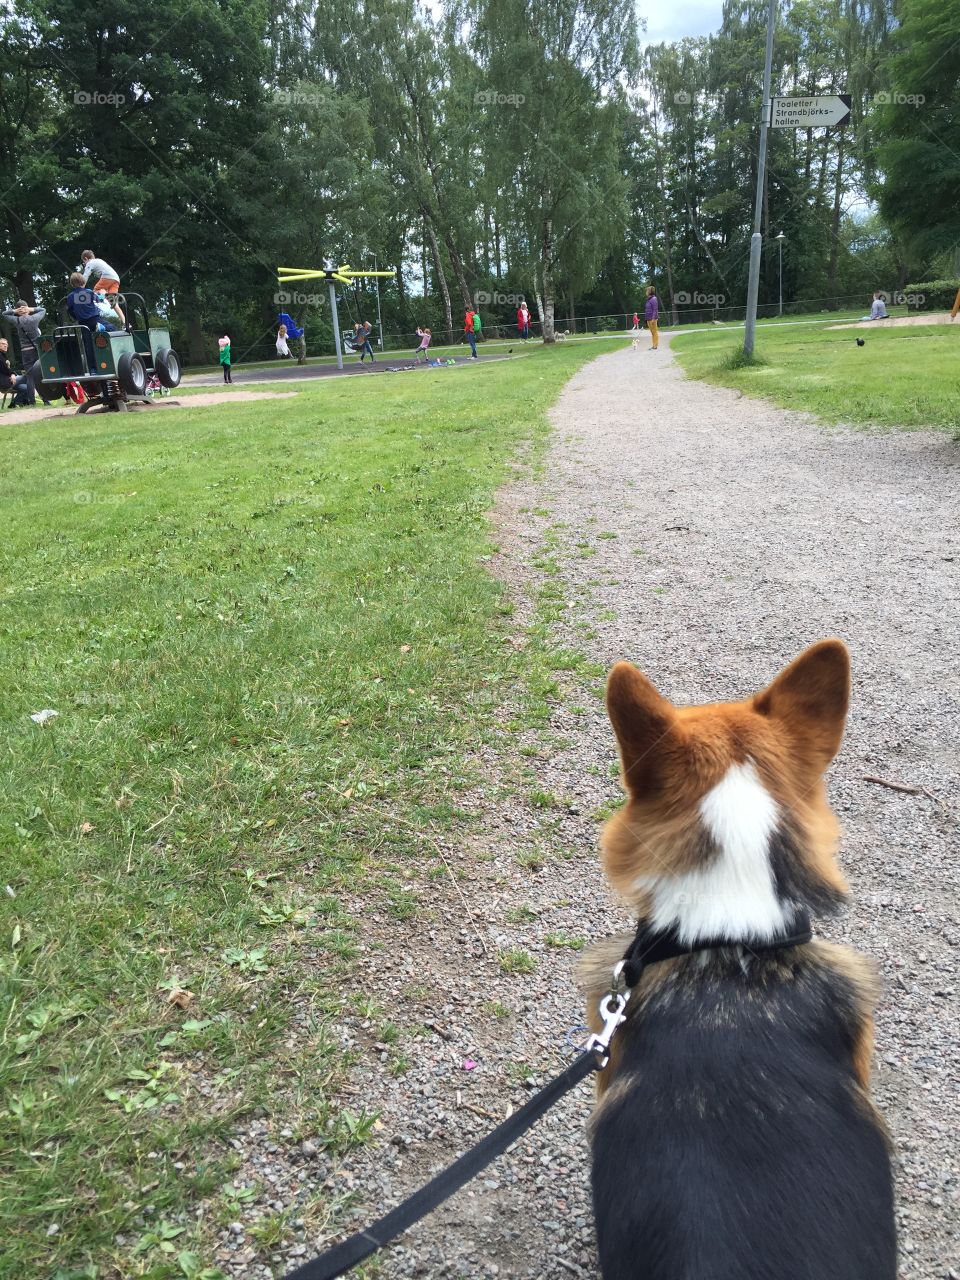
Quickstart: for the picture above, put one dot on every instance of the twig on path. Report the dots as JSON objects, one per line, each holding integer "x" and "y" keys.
{"x": 895, "y": 786}
{"x": 479, "y": 1111}
{"x": 676, "y": 528}
{"x": 412, "y": 826}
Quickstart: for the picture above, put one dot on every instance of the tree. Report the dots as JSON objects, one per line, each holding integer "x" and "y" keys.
{"x": 916, "y": 126}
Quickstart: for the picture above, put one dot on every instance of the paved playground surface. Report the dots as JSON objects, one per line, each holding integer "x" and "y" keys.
{"x": 289, "y": 371}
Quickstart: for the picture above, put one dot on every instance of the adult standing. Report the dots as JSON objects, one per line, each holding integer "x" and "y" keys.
{"x": 651, "y": 314}
{"x": 27, "y": 321}
{"x": 468, "y": 331}
{"x": 523, "y": 321}
{"x": 99, "y": 275}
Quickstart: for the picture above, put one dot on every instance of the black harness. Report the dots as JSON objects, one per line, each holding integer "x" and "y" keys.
{"x": 648, "y": 947}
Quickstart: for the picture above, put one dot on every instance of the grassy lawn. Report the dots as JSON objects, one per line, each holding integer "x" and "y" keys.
{"x": 268, "y": 632}
{"x": 905, "y": 377}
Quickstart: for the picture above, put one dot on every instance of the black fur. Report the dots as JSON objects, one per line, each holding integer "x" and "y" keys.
{"x": 736, "y": 1143}
{"x": 793, "y": 879}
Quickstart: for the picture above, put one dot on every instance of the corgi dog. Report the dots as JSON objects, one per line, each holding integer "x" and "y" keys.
{"x": 734, "y": 1137}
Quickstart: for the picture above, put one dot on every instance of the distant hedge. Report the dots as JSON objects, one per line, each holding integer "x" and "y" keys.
{"x": 933, "y": 295}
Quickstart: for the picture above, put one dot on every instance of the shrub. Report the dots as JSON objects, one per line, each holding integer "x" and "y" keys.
{"x": 931, "y": 295}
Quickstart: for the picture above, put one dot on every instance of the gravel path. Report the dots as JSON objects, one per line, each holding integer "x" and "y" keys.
{"x": 707, "y": 537}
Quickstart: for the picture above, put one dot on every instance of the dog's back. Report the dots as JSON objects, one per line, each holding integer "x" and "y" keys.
{"x": 735, "y": 1142}
{"x": 734, "y": 1138}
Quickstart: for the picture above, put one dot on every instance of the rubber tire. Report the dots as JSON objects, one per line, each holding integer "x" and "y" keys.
{"x": 167, "y": 366}
{"x": 132, "y": 374}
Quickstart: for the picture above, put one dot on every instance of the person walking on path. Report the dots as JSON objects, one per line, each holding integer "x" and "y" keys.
{"x": 469, "y": 333}
{"x": 224, "y": 344}
{"x": 651, "y": 314}
{"x": 424, "y": 335}
{"x": 523, "y": 321}
{"x": 636, "y": 323}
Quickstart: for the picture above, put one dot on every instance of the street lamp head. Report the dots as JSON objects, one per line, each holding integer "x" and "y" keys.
{"x": 781, "y": 236}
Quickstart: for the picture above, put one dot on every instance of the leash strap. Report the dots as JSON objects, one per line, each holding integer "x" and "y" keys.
{"x": 343, "y": 1256}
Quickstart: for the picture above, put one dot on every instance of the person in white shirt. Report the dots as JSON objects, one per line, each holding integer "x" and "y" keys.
{"x": 99, "y": 275}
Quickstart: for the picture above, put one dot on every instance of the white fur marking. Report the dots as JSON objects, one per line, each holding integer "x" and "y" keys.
{"x": 735, "y": 896}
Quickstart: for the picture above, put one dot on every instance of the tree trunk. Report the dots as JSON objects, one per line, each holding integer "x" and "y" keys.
{"x": 438, "y": 272}
{"x": 571, "y": 311}
{"x": 23, "y": 281}
{"x": 664, "y": 217}
{"x": 195, "y": 344}
{"x": 457, "y": 263}
{"x": 497, "y": 264}
{"x": 546, "y": 268}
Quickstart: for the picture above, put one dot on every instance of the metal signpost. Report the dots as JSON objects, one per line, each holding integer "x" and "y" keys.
{"x": 827, "y": 111}
{"x": 333, "y": 276}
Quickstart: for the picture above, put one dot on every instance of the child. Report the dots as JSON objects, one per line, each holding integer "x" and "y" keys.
{"x": 224, "y": 345}
{"x": 282, "y": 348}
{"x": 424, "y": 335}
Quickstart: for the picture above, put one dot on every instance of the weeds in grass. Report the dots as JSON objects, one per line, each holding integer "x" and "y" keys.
{"x": 516, "y": 961}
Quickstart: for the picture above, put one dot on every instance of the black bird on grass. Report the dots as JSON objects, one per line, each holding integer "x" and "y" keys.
{"x": 861, "y": 342}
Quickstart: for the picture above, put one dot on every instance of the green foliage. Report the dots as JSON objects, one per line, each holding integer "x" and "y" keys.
{"x": 916, "y": 118}
{"x": 931, "y": 295}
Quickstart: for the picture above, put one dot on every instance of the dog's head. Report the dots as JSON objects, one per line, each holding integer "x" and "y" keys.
{"x": 726, "y": 827}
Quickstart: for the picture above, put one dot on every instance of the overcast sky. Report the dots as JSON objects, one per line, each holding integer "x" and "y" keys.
{"x": 666, "y": 21}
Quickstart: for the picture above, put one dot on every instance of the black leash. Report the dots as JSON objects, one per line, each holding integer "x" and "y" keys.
{"x": 648, "y": 947}
{"x": 344, "y": 1256}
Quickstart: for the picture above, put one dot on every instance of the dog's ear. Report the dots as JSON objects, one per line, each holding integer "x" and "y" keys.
{"x": 810, "y": 700}
{"x": 645, "y": 724}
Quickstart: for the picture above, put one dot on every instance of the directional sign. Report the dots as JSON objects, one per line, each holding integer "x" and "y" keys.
{"x": 810, "y": 113}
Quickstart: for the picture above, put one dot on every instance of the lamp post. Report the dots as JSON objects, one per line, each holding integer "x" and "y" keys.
{"x": 376, "y": 267}
{"x": 780, "y": 239}
{"x": 756, "y": 240}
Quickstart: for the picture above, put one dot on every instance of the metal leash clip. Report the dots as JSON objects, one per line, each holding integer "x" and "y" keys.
{"x": 612, "y": 1012}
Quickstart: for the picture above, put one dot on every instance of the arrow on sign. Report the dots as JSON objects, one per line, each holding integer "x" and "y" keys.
{"x": 827, "y": 112}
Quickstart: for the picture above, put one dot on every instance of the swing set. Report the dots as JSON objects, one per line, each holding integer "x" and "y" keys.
{"x": 333, "y": 276}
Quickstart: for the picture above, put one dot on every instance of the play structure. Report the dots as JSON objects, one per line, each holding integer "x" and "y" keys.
{"x": 113, "y": 366}
{"x": 333, "y": 276}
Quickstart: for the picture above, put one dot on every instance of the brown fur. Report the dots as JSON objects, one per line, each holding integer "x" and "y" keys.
{"x": 671, "y": 757}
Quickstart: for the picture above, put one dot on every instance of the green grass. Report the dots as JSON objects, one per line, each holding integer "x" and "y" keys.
{"x": 900, "y": 378}
{"x": 268, "y": 632}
